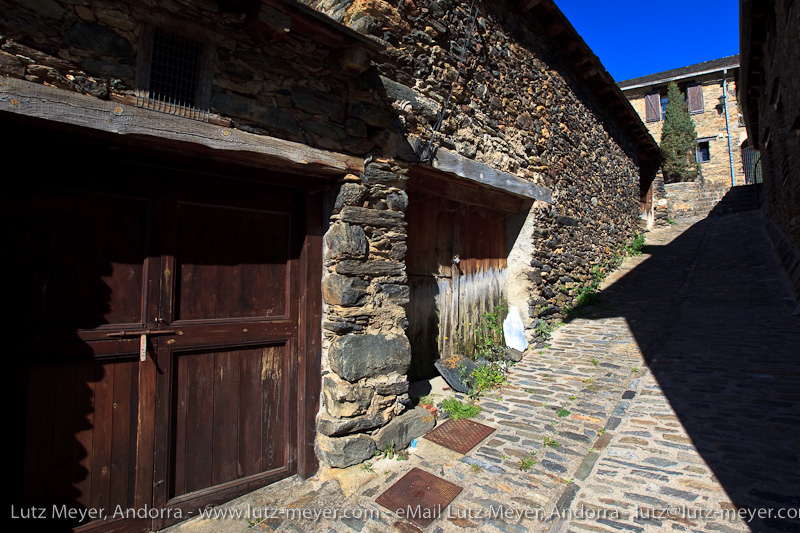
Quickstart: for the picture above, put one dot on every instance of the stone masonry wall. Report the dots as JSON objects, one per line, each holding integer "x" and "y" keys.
{"x": 518, "y": 106}
{"x": 779, "y": 135}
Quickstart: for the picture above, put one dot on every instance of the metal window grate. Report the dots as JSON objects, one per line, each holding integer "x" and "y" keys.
{"x": 174, "y": 77}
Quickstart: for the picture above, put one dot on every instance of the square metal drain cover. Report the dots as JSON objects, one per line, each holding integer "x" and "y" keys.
{"x": 419, "y": 497}
{"x": 459, "y": 435}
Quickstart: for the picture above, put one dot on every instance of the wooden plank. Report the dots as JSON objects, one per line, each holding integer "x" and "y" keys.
{"x": 40, "y": 101}
{"x": 124, "y": 414}
{"x": 199, "y": 425}
{"x": 102, "y": 435}
{"x": 86, "y": 375}
{"x": 250, "y": 412}
{"x": 451, "y": 187}
{"x": 226, "y": 417}
{"x": 527, "y": 5}
{"x": 309, "y": 342}
{"x": 273, "y": 398}
{"x": 479, "y": 173}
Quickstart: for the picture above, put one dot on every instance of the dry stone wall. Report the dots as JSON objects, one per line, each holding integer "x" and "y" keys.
{"x": 517, "y": 106}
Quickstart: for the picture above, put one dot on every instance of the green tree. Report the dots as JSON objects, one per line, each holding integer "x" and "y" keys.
{"x": 678, "y": 139}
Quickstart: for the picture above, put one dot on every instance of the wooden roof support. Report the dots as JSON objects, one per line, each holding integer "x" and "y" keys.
{"x": 40, "y": 101}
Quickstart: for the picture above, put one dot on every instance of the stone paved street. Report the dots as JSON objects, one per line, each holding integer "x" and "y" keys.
{"x": 666, "y": 407}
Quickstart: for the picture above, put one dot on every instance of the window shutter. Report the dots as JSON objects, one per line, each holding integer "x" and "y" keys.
{"x": 652, "y": 107}
{"x": 695, "y": 93}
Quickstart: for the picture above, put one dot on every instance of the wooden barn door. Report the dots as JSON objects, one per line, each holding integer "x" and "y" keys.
{"x": 157, "y": 366}
{"x": 80, "y": 250}
{"x": 227, "y": 418}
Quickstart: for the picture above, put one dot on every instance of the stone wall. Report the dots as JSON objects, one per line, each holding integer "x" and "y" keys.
{"x": 779, "y": 131}
{"x": 693, "y": 199}
{"x": 520, "y": 107}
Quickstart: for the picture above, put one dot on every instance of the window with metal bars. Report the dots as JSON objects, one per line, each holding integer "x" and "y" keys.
{"x": 174, "y": 68}
{"x": 173, "y": 74}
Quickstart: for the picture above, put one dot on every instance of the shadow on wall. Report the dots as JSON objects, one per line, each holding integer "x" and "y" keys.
{"x": 712, "y": 316}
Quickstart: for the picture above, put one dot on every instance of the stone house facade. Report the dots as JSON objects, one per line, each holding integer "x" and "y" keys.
{"x": 770, "y": 87}
{"x": 721, "y": 135}
{"x": 245, "y": 224}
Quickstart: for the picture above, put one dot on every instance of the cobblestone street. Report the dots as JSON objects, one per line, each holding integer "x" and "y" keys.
{"x": 671, "y": 405}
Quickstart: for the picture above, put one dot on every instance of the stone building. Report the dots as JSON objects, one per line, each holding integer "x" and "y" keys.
{"x": 710, "y": 89}
{"x": 242, "y": 225}
{"x": 770, "y": 88}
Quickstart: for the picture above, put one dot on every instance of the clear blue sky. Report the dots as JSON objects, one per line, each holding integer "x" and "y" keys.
{"x": 634, "y": 38}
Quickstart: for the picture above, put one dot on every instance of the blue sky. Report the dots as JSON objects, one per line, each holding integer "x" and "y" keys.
{"x": 634, "y": 38}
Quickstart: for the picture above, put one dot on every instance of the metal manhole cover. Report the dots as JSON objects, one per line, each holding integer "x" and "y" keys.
{"x": 419, "y": 497}
{"x": 459, "y": 435}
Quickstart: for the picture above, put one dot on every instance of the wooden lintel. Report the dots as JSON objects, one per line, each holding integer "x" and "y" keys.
{"x": 486, "y": 176}
{"x": 527, "y": 5}
{"x": 40, "y": 101}
{"x": 555, "y": 29}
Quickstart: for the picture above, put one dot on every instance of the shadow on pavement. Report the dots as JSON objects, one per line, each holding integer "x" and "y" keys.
{"x": 712, "y": 315}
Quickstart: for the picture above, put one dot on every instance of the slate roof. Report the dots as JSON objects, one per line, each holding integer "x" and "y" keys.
{"x": 652, "y": 79}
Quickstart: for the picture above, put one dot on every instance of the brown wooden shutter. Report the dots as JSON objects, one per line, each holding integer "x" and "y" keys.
{"x": 695, "y": 97}
{"x": 652, "y": 107}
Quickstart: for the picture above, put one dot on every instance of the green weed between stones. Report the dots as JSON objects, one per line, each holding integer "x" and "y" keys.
{"x": 547, "y": 441}
{"x": 635, "y": 247}
{"x": 457, "y": 409}
{"x": 527, "y": 462}
{"x": 563, "y": 413}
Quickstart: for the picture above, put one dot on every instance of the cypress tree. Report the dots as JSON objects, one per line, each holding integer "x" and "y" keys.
{"x": 678, "y": 139}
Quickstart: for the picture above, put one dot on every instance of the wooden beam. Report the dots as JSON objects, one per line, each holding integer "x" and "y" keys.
{"x": 484, "y": 175}
{"x": 40, "y": 101}
{"x": 527, "y": 5}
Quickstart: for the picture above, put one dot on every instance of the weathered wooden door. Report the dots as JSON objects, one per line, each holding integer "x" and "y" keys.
{"x": 158, "y": 316}
{"x": 226, "y": 420}
{"x": 81, "y": 259}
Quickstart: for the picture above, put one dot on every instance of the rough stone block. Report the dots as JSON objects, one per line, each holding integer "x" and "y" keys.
{"x": 360, "y": 356}
{"x": 11, "y": 65}
{"x": 346, "y": 241}
{"x": 372, "y": 217}
{"x": 341, "y": 452}
{"x": 249, "y": 109}
{"x": 334, "y": 427}
{"x": 343, "y": 290}
{"x": 350, "y": 194}
{"x": 370, "y": 268}
{"x": 404, "y": 428}
{"x": 98, "y": 38}
{"x": 318, "y": 103}
{"x": 399, "y": 294}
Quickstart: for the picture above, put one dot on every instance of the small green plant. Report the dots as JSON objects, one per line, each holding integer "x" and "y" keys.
{"x": 671, "y": 222}
{"x": 568, "y": 481}
{"x": 402, "y": 455}
{"x": 589, "y": 382}
{"x": 426, "y": 400}
{"x": 487, "y": 336}
{"x": 563, "y": 413}
{"x": 572, "y": 398}
{"x": 457, "y": 409}
{"x": 635, "y": 369}
{"x": 386, "y": 452}
{"x": 550, "y": 442}
{"x": 594, "y": 361}
{"x": 476, "y": 467}
{"x": 527, "y": 462}
{"x": 367, "y": 467}
{"x": 635, "y": 247}
{"x": 486, "y": 377}
{"x": 545, "y": 375}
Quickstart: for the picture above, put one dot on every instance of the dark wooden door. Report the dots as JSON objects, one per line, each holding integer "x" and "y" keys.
{"x": 80, "y": 252}
{"x": 226, "y": 421}
{"x": 207, "y": 268}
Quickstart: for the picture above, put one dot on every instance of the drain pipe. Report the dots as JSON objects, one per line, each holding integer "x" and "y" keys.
{"x": 727, "y": 123}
